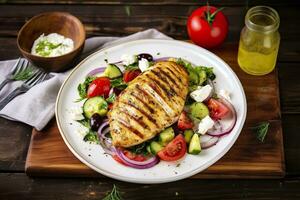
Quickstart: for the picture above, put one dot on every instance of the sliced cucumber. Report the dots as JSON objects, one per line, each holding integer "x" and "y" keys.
{"x": 95, "y": 105}
{"x": 155, "y": 147}
{"x": 194, "y": 147}
{"x": 188, "y": 135}
{"x": 166, "y": 136}
{"x": 112, "y": 71}
{"x": 199, "y": 110}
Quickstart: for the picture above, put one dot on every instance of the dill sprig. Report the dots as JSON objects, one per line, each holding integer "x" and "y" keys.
{"x": 23, "y": 75}
{"x": 113, "y": 195}
{"x": 261, "y": 130}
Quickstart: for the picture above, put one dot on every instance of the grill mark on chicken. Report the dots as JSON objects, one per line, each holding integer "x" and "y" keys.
{"x": 133, "y": 130}
{"x": 137, "y": 119}
{"x": 168, "y": 110}
{"x": 161, "y": 87}
{"x": 151, "y": 119}
{"x": 170, "y": 91}
{"x": 175, "y": 67}
{"x": 178, "y": 80}
{"x": 168, "y": 77}
{"x": 141, "y": 91}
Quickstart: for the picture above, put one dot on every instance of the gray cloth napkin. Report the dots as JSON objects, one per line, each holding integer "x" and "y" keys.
{"x": 36, "y": 107}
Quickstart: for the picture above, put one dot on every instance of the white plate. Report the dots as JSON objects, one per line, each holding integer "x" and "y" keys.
{"x": 93, "y": 156}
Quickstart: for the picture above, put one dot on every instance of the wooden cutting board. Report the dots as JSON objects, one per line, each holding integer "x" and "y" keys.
{"x": 248, "y": 158}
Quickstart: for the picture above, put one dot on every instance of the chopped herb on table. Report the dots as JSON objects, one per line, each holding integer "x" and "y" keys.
{"x": 261, "y": 130}
{"x": 113, "y": 195}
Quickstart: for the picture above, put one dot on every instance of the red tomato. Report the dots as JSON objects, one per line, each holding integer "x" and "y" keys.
{"x": 129, "y": 75}
{"x": 184, "y": 122}
{"x": 99, "y": 87}
{"x": 116, "y": 158}
{"x": 135, "y": 157}
{"x": 175, "y": 150}
{"x": 217, "y": 109}
{"x": 207, "y": 26}
{"x": 110, "y": 106}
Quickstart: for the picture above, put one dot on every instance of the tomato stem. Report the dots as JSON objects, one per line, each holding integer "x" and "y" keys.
{"x": 210, "y": 17}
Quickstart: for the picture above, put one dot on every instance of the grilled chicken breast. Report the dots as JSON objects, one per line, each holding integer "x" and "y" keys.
{"x": 151, "y": 102}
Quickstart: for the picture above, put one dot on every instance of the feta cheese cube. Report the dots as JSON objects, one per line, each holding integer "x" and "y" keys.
{"x": 77, "y": 113}
{"x": 201, "y": 93}
{"x": 143, "y": 64}
{"x": 205, "y": 124}
{"x": 128, "y": 59}
{"x": 225, "y": 94}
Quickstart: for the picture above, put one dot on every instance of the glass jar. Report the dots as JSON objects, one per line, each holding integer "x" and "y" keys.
{"x": 259, "y": 41}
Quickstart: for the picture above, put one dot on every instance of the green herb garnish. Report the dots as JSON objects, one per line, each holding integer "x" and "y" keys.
{"x": 85, "y": 122}
{"x": 128, "y": 10}
{"x": 82, "y": 87}
{"x": 132, "y": 66}
{"x": 44, "y": 48}
{"x": 118, "y": 83}
{"x": 91, "y": 136}
{"x": 261, "y": 130}
{"x": 139, "y": 149}
{"x": 113, "y": 195}
{"x": 196, "y": 76}
{"x": 23, "y": 75}
{"x": 111, "y": 98}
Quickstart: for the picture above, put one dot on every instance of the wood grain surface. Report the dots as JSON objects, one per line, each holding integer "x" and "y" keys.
{"x": 248, "y": 158}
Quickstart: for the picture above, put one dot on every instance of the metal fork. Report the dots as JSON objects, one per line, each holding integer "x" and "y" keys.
{"x": 21, "y": 65}
{"x": 29, "y": 83}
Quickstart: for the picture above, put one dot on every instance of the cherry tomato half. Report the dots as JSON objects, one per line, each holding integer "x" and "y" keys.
{"x": 129, "y": 75}
{"x": 207, "y": 26}
{"x": 217, "y": 109}
{"x": 175, "y": 150}
{"x": 184, "y": 122}
{"x": 99, "y": 87}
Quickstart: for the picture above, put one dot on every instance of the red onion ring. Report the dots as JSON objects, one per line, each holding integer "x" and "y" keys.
{"x": 161, "y": 59}
{"x": 135, "y": 164}
{"x": 218, "y": 132}
{"x": 211, "y": 141}
{"x": 96, "y": 71}
{"x": 105, "y": 142}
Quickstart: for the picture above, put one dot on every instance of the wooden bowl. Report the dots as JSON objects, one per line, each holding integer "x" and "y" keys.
{"x": 52, "y": 22}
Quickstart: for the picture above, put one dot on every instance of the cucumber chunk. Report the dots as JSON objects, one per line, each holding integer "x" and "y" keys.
{"x": 166, "y": 136}
{"x": 149, "y": 149}
{"x": 155, "y": 147}
{"x": 95, "y": 105}
{"x": 112, "y": 71}
{"x": 188, "y": 135}
{"x": 194, "y": 147}
{"x": 199, "y": 110}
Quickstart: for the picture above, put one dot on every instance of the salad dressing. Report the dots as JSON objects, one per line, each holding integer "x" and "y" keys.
{"x": 259, "y": 41}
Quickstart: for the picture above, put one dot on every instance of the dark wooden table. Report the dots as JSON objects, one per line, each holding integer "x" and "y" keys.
{"x": 117, "y": 18}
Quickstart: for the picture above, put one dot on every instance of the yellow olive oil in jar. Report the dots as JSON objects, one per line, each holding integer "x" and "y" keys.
{"x": 259, "y": 41}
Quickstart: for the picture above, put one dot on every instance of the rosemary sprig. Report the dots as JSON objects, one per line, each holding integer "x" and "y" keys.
{"x": 261, "y": 130}
{"x": 23, "y": 75}
{"x": 113, "y": 195}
